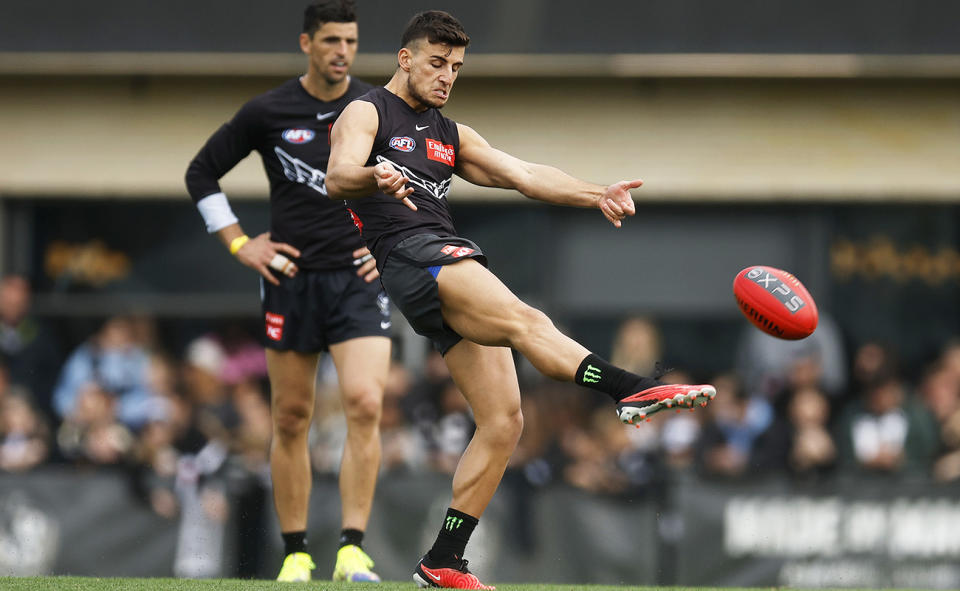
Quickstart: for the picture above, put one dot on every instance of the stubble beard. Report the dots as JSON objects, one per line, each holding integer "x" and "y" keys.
{"x": 333, "y": 80}
{"x": 423, "y": 100}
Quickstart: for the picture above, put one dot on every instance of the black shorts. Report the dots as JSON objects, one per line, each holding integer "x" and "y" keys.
{"x": 316, "y": 309}
{"x": 410, "y": 277}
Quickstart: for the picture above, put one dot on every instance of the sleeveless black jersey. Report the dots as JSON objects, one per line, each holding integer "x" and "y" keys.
{"x": 291, "y": 131}
{"x": 422, "y": 146}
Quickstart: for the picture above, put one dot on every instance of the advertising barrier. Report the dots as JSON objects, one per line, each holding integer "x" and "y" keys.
{"x": 856, "y": 533}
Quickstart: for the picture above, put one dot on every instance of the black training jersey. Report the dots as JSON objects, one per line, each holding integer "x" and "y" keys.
{"x": 291, "y": 131}
{"x": 423, "y": 146}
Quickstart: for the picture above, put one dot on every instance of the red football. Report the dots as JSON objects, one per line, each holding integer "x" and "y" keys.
{"x": 775, "y": 302}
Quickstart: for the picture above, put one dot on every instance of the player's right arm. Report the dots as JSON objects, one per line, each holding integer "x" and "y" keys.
{"x": 223, "y": 150}
{"x": 351, "y": 141}
{"x": 484, "y": 165}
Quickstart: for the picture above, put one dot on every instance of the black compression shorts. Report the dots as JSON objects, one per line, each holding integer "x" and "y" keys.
{"x": 410, "y": 277}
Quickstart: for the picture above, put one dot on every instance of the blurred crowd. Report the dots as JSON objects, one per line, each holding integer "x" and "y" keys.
{"x": 193, "y": 427}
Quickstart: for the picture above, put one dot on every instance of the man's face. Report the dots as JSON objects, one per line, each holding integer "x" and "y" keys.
{"x": 331, "y": 50}
{"x": 433, "y": 70}
{"x": 14, "y": 299}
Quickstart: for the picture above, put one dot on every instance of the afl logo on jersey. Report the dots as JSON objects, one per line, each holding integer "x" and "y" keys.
{"x": 298, "y": 135}
{"x": 404, "y": 144}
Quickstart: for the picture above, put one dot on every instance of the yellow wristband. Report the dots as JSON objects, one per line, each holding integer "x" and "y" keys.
{"x": 237, "y": 243}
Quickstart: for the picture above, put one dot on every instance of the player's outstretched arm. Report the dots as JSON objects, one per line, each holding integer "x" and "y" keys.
{"x": 482, "y": 164}
{"x": 351, "y": 141}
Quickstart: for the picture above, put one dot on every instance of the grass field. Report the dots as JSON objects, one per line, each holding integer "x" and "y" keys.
{"x": 118, "y": 584}
{"x": 93, "y": 584}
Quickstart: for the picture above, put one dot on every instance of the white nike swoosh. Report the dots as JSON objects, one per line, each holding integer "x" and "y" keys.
{"x": 322, "y": 116}
{"x": 436, "y": 577}
{"x": 384, "y": 324}
{"x": 421, "y": 128}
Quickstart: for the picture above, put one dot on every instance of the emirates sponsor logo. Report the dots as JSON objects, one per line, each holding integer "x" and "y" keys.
{"x": 440, "y": 152}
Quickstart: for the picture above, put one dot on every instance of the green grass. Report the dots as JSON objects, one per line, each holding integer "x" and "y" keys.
{"x": 117, "y": 584}
{"x": 112, "y": 584}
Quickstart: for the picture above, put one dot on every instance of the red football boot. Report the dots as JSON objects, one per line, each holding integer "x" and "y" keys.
{"x": 635, "y": 409}
{"x": 451, "y": 576}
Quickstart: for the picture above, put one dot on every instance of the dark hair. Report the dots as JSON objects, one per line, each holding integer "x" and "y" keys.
{"x": 329, "y": 11}
{"x": 435, "y": 26}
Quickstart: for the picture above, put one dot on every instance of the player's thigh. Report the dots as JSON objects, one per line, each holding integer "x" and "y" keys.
{"x": 293, "y": 377}
{"x": 487, "y": 376}
{"x": 477, "y": 305}
{"x": 362, "y": 364}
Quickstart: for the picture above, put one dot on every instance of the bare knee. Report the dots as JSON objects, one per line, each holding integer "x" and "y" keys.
{"x": 504, "y": 429}
{"x": 363, "y": 405}
{"x": 525, "y": 321}
{"x": 291, "y": 419}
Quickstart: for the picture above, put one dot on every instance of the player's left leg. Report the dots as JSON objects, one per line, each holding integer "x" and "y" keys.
{"x": 362, "y": 365}
{"x": 488, "y": 379}
{"x": 478, "y": 306}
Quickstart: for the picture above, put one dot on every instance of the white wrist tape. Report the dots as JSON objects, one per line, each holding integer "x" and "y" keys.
{"x": 216, "y": 212}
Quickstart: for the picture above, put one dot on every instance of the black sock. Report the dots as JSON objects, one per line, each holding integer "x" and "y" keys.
{"x": 598, "y": 374}
{"x": 453, "y": 537}
{"x": 294, "y": 541}
{"x": 351, "y": 536}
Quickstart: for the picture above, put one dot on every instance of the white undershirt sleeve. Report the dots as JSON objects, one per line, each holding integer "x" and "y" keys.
{"x": 216, "y": 212}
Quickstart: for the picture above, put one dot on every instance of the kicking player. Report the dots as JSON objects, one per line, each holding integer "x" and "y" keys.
{"x": 393, "y": 148}
{"x": 318, "y": 282}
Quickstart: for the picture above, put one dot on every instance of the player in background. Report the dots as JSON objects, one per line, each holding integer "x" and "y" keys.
{"x": 394, "y": 154}
{"x": 318, "y": 282}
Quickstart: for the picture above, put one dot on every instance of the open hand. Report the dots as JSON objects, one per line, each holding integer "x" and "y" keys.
{"x": 366, "y": 263}
{"x": 263, "y": 254}
{"x": 616, "y": 202}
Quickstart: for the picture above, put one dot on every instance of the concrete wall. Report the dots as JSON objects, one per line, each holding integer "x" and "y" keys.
{"x": 697, "y": 139}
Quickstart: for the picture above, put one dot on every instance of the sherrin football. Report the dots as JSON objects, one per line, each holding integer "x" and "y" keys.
{"x": 775, "y": 302}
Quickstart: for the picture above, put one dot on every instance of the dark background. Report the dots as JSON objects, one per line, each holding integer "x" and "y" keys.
{"x": 500, "y": 26}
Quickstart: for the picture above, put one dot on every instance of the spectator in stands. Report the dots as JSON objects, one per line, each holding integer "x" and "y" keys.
{"x": 800, "y": 442}
{"x": 328, "y": 433}
{"x": 115, "y": 361}
{"x": 215, "y": 415}
{"x": 765, "y": 363}
{"x": 90, "y": 432}
{"x": 6, "y": 388}
{"x": 679, "y": 433}
{"x": 27, "y": 346}
{"x": 155, "y": 463}
{"x": 422, "y": 405}
{"x": 886, "y": 431}
{"x": 950, "y": 356}
{"x": 452, "y": 431}
{"x": 244, "y": 356}
{"x": 607, "y": 459}
{"x": 940, "y": 390}
{"x": 734, "y": 425}
{"x": 404, "y": 448}
{"x": 591, "y": 451}
{"x": 636, "y": 347}
{"x": 872, "y": 362}
{"x": 24, "y": 435}
{"x": 812, "y": 449}
{"x": 249, "y": 480}
{"x": 255, "y": 428}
